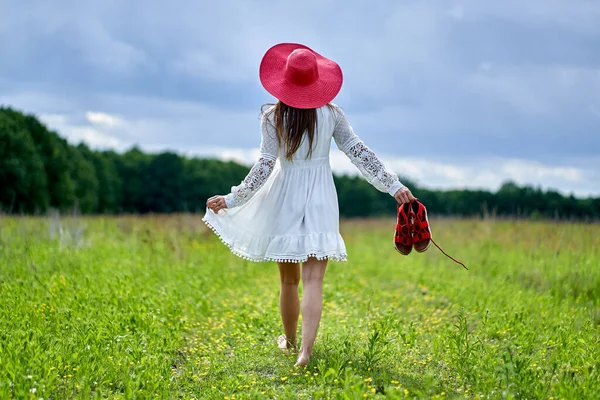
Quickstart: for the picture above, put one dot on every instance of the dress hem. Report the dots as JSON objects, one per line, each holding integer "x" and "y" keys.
{"x": 329, "y": 255}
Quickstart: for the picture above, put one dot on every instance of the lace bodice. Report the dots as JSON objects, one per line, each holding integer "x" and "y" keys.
{"x": 336, "y": 125}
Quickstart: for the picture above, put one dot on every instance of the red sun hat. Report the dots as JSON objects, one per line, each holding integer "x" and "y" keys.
{"x": 299, "y": 77}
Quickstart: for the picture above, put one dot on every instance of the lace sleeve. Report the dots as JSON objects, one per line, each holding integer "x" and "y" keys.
{"x": 363, "y": 158}
{"x": 261, "y": 170}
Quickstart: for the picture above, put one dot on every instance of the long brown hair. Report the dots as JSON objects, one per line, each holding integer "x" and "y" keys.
{"x": 290, "y": 124}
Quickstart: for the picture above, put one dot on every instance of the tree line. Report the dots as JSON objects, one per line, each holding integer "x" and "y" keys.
{"x": 41, "y": 171}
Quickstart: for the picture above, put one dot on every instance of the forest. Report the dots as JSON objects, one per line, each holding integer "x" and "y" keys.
{"x": 40, "y": 171}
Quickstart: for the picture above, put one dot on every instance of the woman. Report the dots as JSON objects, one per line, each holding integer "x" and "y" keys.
{"x": 286, "y": 209}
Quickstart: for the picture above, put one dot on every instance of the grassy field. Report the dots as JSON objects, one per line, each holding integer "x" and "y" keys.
{"x": 157, "y": 307}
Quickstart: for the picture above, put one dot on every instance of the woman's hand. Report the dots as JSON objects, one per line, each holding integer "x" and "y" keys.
{"x": 216, "y": 203}
{"x": 404, "y": 196}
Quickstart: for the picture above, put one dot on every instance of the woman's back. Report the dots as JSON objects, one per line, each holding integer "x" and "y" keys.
{"x": 322, "y": 141}
{"x": 327, "y": 118}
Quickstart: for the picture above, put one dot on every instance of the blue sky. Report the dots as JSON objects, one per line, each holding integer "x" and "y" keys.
{"x": 450, "y": 93}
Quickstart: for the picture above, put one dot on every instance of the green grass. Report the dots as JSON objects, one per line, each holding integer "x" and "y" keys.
{"x": 157, "y": 307}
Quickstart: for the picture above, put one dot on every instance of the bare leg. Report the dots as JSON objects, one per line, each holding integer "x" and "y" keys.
{"x": 313, "y": 271}
{"x": 289, "y": 303}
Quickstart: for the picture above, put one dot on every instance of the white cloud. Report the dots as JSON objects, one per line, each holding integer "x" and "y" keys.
{"x": 102, "y": 119}
{"x": 93, "y": 137}
{"x": 528, "y": 171}
{"x": 76, "y": 133}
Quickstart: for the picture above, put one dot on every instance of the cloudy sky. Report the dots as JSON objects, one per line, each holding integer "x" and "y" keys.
{"x": 450, "y": 93}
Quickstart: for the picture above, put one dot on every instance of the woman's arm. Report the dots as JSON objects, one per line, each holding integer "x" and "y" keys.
{"x": 364, "y": 158}
{"x": 261, "y": 170}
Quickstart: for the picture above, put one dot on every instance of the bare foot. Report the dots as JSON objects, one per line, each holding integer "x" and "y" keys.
{"x": 302, "y": 360}
{"x": 283, "y": 344}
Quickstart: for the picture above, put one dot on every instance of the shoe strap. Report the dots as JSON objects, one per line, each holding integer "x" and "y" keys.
{"x": 446, "y": 254}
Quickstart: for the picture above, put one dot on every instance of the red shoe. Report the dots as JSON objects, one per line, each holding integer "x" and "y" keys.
{"x": 403, "y": 240}
{"x": 421, "y": 237}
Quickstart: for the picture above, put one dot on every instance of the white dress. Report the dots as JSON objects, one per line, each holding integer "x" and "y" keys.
{"x": 288, "y": 211}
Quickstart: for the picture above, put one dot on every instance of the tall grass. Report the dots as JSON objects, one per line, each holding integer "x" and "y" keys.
{"x": 156, "y": 307}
